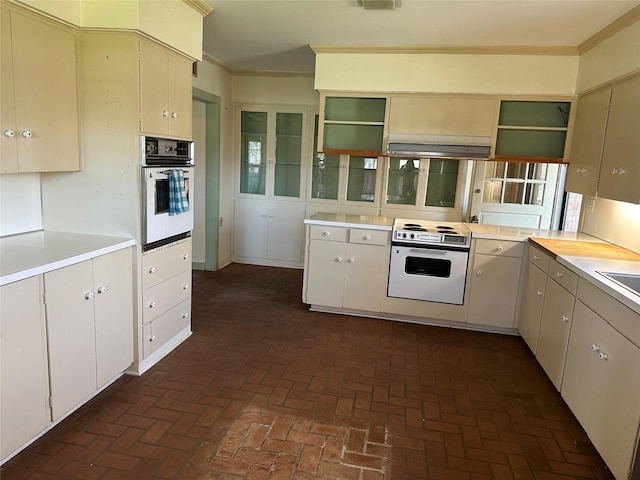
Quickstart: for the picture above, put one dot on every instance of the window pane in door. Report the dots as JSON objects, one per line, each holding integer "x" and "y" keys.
{"x": 403, "y": 181}
{"x": 288, "y": 154}
{"x": 534, "y": 194}
{"x": 513, "y": 192}
{"x": 325, "y": 172}
{"x": 253, "y": 155}
{"x": 361, "y": 183}
{"x": 442, "y": 183}
{"x": 492, "y": 192}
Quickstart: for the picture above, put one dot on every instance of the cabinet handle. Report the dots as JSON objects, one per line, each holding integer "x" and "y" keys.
{"x": 339, "y": 259}
{"x": 479, "y": 273}
{"x": 499, "y": 248}
{"x": 9, "y": 133}
{"x": 622, "y": 171}
{"x": 595, "y": 348}
{"x": 558, "y": 274}
{"x": 88, "y": 296}
{"x": 152, "y": 338}
{"x": 185, "y": 315}
{"x": 603, "y": 356}
{"x": 326, "y": 234}
{"x": 27, "y": 134}
{"x": 536, "y": 257}
{"x": 565, "y": 318}
{"x": 102, "y": 289}
{"x": 539, "y": 293}
{"x": 185, "y": 286}
{"x": 352, "y": 260}
{"x": 152, "y": 269}
{"x": 165, "y": 113}
{"x": 152, "y": 305}
{"x": 174, "y": 114}
{"x": 185, "y": 256}
{"x": 367, "y": 237}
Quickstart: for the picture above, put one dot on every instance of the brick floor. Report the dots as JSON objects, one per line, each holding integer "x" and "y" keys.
{"x": 266, "y": 389}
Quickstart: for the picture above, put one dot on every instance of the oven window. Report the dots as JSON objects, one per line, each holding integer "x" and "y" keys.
{"x": 162, "y": 195}
{"x": 427, "y": 267}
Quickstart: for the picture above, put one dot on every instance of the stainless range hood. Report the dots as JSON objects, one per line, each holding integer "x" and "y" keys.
{"x": 439, "y": 146}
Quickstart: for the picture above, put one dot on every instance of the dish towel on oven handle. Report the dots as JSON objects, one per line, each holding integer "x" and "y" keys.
{"x": 178, "y": 201}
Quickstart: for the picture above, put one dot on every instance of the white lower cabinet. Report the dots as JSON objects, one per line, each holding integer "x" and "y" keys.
{"x": 601, "y": 385}
{"x": 24, "y": 376}
{"x": 531, "y": 306}
{"x": 90, "y": 327}
{"x": 346, "y": 267}
{"x": 166, "y": 297}
{"x": 494, "y": 283}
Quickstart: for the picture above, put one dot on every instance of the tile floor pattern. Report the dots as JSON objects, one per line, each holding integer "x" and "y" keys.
{"x": 266, "y": 389}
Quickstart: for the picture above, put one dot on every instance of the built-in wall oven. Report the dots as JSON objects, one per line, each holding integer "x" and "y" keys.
{"x": 429, "y": 261}
{"x": 167, "y": 190}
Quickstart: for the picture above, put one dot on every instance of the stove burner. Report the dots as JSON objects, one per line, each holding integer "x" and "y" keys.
{"x": 417, "y": 228}
{"x": 444, "y": 227}
{"x": 412, "y": 225}
{"x": 448, "y": 231}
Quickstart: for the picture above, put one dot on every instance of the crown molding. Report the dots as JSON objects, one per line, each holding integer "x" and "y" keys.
{"x": 200, "y": 6}
{"x": 451, "y": 50}
{"x": 254, "y": 73}
{"x": 629, "y": 18}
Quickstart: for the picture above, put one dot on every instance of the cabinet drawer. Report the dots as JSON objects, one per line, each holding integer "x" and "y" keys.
{"x": 371, "y": 237}
{"x": 165, "y": 262}
{"x": 563, "y": 276}
{"x": 323, "y": 232}
{"x": 539, "y": 258}
{"x": 161, "y": 297}
{"x": 499, "y": 247}
{"x": 165, "y": 327}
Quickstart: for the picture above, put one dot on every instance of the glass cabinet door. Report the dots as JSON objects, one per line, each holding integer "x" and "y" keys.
{"x": 288, "y": 154}
{"x": 442, "y": 183}
{"x": 253, "y": 155}
{"x": 361, "y": 179}
{"x": 402, "y": 184}
{"x": 325, "y": 174}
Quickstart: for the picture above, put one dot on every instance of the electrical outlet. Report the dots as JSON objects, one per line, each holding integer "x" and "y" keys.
{"x": 590, "y": 204}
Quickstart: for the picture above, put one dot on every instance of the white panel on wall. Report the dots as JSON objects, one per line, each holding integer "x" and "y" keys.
{"x": 20, "y": 203}
{"x": 615, "y": 222}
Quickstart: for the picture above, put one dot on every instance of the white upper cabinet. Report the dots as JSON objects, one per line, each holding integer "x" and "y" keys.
{"x": 39, "y": 96}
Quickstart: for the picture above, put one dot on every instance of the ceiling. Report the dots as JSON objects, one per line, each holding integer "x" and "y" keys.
{"x": 274, "y": 35}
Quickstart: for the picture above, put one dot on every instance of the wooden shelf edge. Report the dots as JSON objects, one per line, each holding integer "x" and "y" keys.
{"x": 526, "y": 159}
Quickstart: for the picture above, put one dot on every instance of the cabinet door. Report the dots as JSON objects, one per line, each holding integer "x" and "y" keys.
{"x": 588, "y": 139}
{"x": 9, "y": 158}
{"x": 494, "y": 290}
{"x": 165, "y": 327}
{"x": 113, "y": 314}
{"x": 71, "y": 330}
{"x": 531, "y": 312}
{"x": 554, "y": 331}
{"x": 154, "y": 87}
{"x": 250, "y": 228}
{"x": 179, "y": 91}
{"x": 364, "y": 276}
{"x": 325, "y": 280}
{"x": 24, "y": 378}
{"x": 285, "y": 231}
{"x": 620, "y": 172}
{"x": 601, "y": 388}
{"x": 46, "y": 110}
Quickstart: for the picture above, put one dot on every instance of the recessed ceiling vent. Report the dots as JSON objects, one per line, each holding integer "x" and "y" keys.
{"x": 379, "y": 4}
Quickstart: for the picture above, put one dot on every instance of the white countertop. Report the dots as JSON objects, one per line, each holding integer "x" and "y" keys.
{"x": 33, "y": 253}
{"x": 522, "y": 234}
{"x": 347, "y": 220}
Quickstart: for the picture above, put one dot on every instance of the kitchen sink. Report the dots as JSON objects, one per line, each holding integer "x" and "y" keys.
{"x": 629, "y": 281}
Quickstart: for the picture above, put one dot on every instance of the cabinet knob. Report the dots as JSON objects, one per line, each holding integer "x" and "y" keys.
{"x": 165, "y": 113}
{"x": 88, "y": 296}
{"x": 583, "y": 170}
{"x": 352, "y": 260}
{"x": 152, "y": 305}
{"x": 27, "y": 134}
{"x": 499, "y": 248}
{"x": 174, "y": 114}
{"x": 565, "y": 318}
{"x": 152, "y": 269}
{"x": 152, "y": 338}
{"x": 185, "y": 315}
{"x": 367, "y": 237}
{"x": 339, "y": 259}
{"x": 539, "y": 293}
{"x": 102, "y": 289}
{"x": 9, "y": 133}
{"x": 595, "y": 348}
{"x": 558, "y": 274}
{"x": 536, "y": 257}
{"x": 479, "y": 273}
{"x": 185, "y": 286}
{"x": 326, "y": 234}
{"x": 185, "y": 256}
{"x": 622, "y": 171}
{"x": 603, "y": 356}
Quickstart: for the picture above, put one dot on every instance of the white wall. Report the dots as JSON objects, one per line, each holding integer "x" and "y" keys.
{"x": 615, "y": 222}
{"x": 20, "y": 203}
{"x": 275, "y": 90}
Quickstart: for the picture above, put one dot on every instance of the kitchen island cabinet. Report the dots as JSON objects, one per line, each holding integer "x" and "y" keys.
{"x": 90, "y": 327}
{"x": 39, "y": 111}
{"x": 24, "y": 375}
